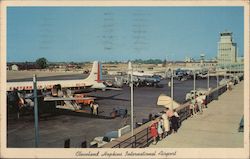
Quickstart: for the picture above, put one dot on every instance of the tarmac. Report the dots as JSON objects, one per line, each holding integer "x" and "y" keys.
{"x": 55, "y": 129}
{"x": 217, "y": 127}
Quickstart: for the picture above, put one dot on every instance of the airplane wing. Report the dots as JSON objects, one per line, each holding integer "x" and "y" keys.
{"x": 31, "y": 95}
{"x": 47, "y": 99}
{"x": 112, "y": 88}
{"x": 112, "y": 97}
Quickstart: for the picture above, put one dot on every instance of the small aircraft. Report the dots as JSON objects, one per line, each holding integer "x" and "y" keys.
{"x": 138, "y": 73}
{"x": 141, "y": 78}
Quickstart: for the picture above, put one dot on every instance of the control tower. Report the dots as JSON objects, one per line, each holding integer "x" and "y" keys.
{"x": 227, "y": 52}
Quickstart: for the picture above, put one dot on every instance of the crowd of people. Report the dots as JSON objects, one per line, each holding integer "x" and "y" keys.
{"x": 198, "y": 104}
{"x": 167, "y": 123}
{"x": 229, "y": 85}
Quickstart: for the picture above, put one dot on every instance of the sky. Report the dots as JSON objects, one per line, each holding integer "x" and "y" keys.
{"x": 119, "y": 33}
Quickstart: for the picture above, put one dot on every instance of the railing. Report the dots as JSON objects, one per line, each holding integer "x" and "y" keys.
{"x": 183, "y": 111}
{"x": 137, "y": 140}
{"x": 215, "y": 93}
{"x": 142, "y": 137}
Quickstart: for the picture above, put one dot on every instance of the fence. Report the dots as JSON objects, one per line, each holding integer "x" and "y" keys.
{"x": 142, "y": 137}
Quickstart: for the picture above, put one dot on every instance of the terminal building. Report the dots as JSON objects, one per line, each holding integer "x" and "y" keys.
{"x": 227, "y": 49}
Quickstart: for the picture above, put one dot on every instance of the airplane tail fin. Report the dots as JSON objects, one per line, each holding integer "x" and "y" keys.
{"x": 96, "y": 72}
{"x": 95, "y": 77}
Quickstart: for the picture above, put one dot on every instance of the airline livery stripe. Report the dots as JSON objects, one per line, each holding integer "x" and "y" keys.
{"x": 100, "y": 71}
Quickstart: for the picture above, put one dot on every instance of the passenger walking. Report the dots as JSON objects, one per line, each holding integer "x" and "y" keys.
{"x": 91, "y": 107}
{"x": 153, "y": 131}
{"x": 193, "y": 103}
{"x": 199, "y": 102}
{"x": 160, "y": 127}
{"x": 166, "y": 125}
{"x": 95, "y": 109}
{"x": 230, "y": 85}
{"x": 191, "y": 108}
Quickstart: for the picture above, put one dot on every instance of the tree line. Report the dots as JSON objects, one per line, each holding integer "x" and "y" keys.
{"x": 42, "y": 63}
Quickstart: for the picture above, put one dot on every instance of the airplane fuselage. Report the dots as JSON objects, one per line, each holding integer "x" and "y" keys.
{"x": 93, "y": 81}
{"x": 48, "y": 84}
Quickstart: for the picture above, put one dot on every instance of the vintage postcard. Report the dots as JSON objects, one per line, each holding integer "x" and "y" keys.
{"x": 124, "y": 79}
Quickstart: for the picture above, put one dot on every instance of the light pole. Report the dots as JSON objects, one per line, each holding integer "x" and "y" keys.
{"x": 172, "y": 89}
{"x": 166, "y": 68}
{"x": 132, "y": 102}
{"x": 194, "y": 85}
{"x": 225, "y": 70}
{"x": 217, "y": 85}
{"x": 208, "y": 80}
{"x": 35, "y": 111}
{"x": 233, "y": 69}
{"x": 240, "y": 69}
{"x": 217, "y": 80}
{"x": 230, "y": 70}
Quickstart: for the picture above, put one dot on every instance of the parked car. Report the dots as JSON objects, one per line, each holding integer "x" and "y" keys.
{"x": 102, "y": 140}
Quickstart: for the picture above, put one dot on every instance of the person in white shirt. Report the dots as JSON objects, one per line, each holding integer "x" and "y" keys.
{"x": 166, "y": 125}
{"x": 91, "y": 107}
{"x": 95, "y": 109}
{"x": 200, "y": 101}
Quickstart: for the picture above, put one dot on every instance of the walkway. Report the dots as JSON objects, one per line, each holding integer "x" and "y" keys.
{"x": 217, "y": 127}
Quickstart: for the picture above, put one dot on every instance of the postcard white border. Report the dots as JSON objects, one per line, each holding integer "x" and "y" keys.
{"x": 69, "y": 153}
